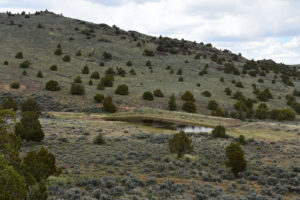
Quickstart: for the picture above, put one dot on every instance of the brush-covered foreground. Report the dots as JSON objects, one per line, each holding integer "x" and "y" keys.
{"x": 135, "y": 162}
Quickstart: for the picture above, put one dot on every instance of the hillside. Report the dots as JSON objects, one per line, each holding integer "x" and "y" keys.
{"x": 37, "y": 37}
{"x": 130, "y": 153}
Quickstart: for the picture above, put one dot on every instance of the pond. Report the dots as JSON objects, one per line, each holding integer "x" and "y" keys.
{"x": 164, "y": 124}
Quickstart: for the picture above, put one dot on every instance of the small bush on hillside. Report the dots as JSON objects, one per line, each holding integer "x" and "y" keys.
{"x": 108, "y": 105}
{"x": 121, "y": 72}
{"x": 78, "y": 53}
{"x": 241, "y": 140}
{"x": 148, "y": 52}
{"x": 238, "y": 95}
{"x": 100, "y": 86}
{"x": 172, "y": 103}
{"x": 58, "y": 52}
{"x": 227, "y": 91}
{"x": 19, "y": 55}
{"x": 219, "y": 113}
{"x": 158, "y": 93}
{"x": 148, "y": 96}
{"x": 262, "y": 111}
{"x": 85, "y": 70}
{"x": 53, "y": 68}
{"x": 122, "y": 89}
{"x": 282, "y": 114}
{"x": 260, "y": 80}
{"x": 102, "y": 64}
{"x": 9, "y": 104}
{"x": 132, "y": 72}
{"x": 212, "y": 105}
{"x": 129, "y": 63}
{"x": 189, "y": 106}
{"x": 66, "y": 58}
{"x": 15, "y": 85}
{"x": 52, "y": 86}
{"x": 188, "y": 96}
{"x": 148, "y": 63}
{"x": 197, "y": 56}
{"x": 222, "y": 79}
{"x": 25, "y": 64}
{"x": 24, "y": 73}
{"x": 239, "y": 84}
{"x": 31, "y": 105}
{"x": 99, "y": 98}
{"x": 77, "y": 89}
{"x": 99, "y": 139}
{"x": 29, "y": 128}
{"x": 219, "y": 132}
{"x": 235, "y": 158}
{"x": 107, "y": 55}
{"x": 5, "y": 62}
{"x": 77, "y": 79}
{"x": 39, "y": 74}
{"x": 206, "y": 94}
{"x": 180, "y": 79}
{"x": 179, "y": 71}
{"x": 110, "y": 71}
{"x": 180, "y": 144}
{"x": 95, "y": 75}
{"x": 107, "y": 80}
{"x": 90, "y": 82}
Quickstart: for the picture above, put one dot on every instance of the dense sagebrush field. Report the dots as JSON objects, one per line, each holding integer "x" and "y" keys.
{"x": 135, "y": 162}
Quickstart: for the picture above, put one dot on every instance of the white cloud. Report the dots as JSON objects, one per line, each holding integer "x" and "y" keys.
{"x": 254, "y": 28}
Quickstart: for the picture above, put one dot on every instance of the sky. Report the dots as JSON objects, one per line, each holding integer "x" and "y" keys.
{"x": 258, "y": 29}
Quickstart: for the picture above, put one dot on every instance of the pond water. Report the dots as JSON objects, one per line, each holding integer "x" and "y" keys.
{"x": 163, "y": 124}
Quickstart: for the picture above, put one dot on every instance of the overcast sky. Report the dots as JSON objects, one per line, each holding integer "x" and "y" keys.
{"x": 256, "y": 28}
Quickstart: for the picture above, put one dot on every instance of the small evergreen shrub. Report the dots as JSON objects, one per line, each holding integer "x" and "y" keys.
{"x": 100, "y": 86}
{"x": 31, "y": 105}
{"x": 212, "y": 105}
{"x": 148, "y": 96}
{"x": 24, "y": 73}
{"x": 129, "y": 63}
{"x": 29, "y": 128}
{"x": 188, "y": 96}
{"x": 180, "y": 79}
{"x": 77, "y": 89}
{"x": 39, "y": 74}
{"x": 227, "y": 91}
{"x": 95, "y": 75}
{"x": 189, "y": 106}
{"x": 107, "y": 55}
{"x": 148, "y": 63}
{"x": 25, "y": 64}
{"x": 53, "y": 68}
{"x": 5, "y": 62}
{"x": 58, "y": 52}
{"x": 90, "y": 82}
{"x": 158, "y": 93}
{"x": 15, "y": 85}
{"x": 99, "y": 139}
{"x": 122, "y": 89}
{"x": 66, "y": 58}
{"x": 77, "y": 79}
{"x": 180, "y": 144}
{"x": 85, "y": 70}
{"x": 148, "y": 52}
{"x": 52, "y": 86}
{"x": 99, "y": 98}
{"x": 107, "y": 80}
{"x": 108, "y": 105}
{"x": 19, "y": 55}
{"x": 241, "y": 140}
{"x": 219, "y": 132}
{"x": 172, "y": 103}
{"x": 206, "y": 94}
{"x": 10, "y": 104}
{"x": 179, "y": 71}
{"x": 235, "y": 158}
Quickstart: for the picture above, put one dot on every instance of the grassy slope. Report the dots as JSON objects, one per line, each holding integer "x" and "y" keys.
{"x": 38, "y": 46}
